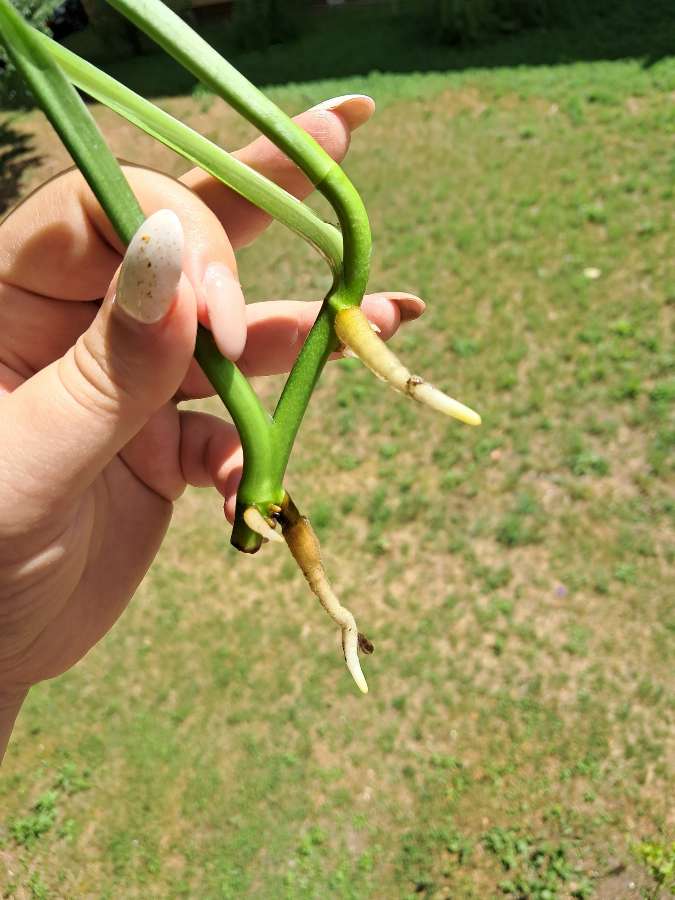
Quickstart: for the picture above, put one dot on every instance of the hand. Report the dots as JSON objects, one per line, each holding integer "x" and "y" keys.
{"x": 94, "y": 448}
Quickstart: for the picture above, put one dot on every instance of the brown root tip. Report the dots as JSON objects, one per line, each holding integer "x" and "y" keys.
{"x": 365, "y": 645}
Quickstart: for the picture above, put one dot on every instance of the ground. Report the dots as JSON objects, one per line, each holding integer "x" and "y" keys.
{"x": 517, "y": 580}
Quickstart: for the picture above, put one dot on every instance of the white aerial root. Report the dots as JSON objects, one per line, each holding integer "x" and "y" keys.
{"x": 257, "y": 522}
{"x": 355, "y": 332}
{"x": 304, "y": 545}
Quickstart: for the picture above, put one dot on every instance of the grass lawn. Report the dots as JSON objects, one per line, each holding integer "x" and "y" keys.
{"x": 517, "y": 580}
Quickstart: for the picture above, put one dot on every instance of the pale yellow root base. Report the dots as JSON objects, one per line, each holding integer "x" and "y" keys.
{"x": 354, "y": 330}
{"x": 256, "y": 522}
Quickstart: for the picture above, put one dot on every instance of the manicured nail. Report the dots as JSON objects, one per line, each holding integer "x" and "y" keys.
{"x": 226, "y": 307}
{"x": 409, "y": 306}
{"x": 151, "y": 268}
{"x": 355, "y": 109}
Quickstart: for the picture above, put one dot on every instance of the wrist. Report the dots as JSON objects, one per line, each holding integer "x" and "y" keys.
{"x": 10, "y": 704}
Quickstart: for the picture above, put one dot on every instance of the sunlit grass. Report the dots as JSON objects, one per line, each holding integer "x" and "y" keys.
{"x": 514, "y": 579}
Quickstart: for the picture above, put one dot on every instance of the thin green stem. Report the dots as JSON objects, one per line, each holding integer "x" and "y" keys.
{"x": 266, "y": 441}
{"x": 196, "y": 55}
{"x": 79, "y": 132}
{"x": 316, "y": 350}
{"x": 168, "y": 30}
{"x": 73, "y": 122}
{"x": 321, "y": 340}
{"x": 258, "y": 486}
{"x": 346, "y": 201}
{"x": 188, "y": 48}
{"x": 251, "y": 420}
{"x": 250, "y": 184}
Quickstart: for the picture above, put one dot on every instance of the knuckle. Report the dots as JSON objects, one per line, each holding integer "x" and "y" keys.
{"x": 93, "y": 380}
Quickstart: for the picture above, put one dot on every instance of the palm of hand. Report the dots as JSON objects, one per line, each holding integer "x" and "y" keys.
{"x": 65, "y": 594}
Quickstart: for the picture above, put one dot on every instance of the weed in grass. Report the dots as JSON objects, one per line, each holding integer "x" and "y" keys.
{"x": 522, "y": 526}
{"x": 71, "y": 781}
{"x": 659, "y": 860}
{"x": 322, "y": 516}
{"x": 26, "y": 831}
{"x": 587, "y": 462}
{"x": 465, "y": 347}
{"x": 537, "y": 869}
{"x": 36, "y": 886}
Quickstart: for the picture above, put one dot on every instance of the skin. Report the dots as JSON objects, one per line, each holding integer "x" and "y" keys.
{"x": 95, "y": 448}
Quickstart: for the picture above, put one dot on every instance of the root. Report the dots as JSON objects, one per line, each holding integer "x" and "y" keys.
{"x": 256, "y": 522}
{"x": 304, "y": 545}
{"x": 355, "y": 332}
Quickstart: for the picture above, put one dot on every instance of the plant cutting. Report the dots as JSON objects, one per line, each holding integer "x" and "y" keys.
{"x": 264, "y": 510}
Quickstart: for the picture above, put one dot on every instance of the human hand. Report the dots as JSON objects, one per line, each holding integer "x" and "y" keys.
{"x": 94, "y": 448}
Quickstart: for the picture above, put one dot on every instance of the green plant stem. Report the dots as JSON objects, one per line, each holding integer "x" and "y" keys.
{"x": 316, "y": 350}
{"x": 258, "y": 485}
{"x": 168, "y": 30}
{"x": 79, "y": 132}
{"x": 259, "y": 190}
{"x": 72, "y": 121}
{"x": 267, "y": 441}
{"x": 195, "y": 54}
{"x": 321, "y": 340}
{"x": 252, "y": 422}
{"x": 275, "y": 201}
{"x": 346, "y": 201}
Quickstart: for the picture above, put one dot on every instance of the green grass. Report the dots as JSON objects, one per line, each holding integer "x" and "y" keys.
{"x": 517, "y": 737}
{"x": 338, "y": 43}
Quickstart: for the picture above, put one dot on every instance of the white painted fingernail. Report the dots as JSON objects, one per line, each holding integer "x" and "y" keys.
{"x": 151, "y": 268}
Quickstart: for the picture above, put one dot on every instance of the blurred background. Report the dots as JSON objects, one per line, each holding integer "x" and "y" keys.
{"x": 517, "y": 580}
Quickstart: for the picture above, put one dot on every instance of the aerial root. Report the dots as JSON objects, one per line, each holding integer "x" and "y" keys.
{"x": 304, "y": 545}
{"x": 258, "y": 523}
{"x": 355, "y": 332}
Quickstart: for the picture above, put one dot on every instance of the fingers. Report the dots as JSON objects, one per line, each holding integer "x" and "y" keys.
{"x": 210, "y": 455}
{"x": 69, "y": 420}
{"x": 277, "y": 329}
{"x": 59, "y": 244}
{"x": 210, "y": 451}
{"x": 34, "y": 330}
{"x": 330, "y": 123}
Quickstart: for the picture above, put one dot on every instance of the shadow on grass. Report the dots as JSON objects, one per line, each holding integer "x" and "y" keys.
{"x": 342, "y": 41}
{"x": 16, "y": 157}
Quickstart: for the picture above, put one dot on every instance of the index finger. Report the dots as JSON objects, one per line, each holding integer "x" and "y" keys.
{"x": 59, "y": 243}
{"x": 331, "y": 124}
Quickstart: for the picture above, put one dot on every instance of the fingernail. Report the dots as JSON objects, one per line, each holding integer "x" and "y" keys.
{"x": 226, "y": 308}
{"x": 409, "y": 306}
{"x": 151, "y": 268}
{"x": 355, "y": 109}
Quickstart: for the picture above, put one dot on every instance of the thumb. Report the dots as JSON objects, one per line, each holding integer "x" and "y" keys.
{"x": 66, "y": 423}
